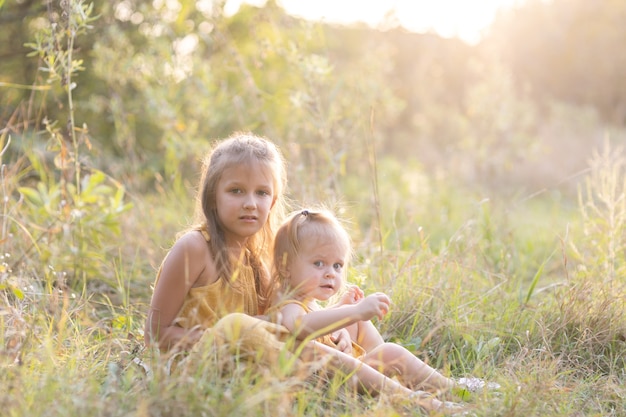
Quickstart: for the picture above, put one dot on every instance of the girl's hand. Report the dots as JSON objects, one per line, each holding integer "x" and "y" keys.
{"x": 374, "y": 305}
{"x": 352, "y": 295}
{"x": 189, "y": 340}
{"x": 342, "y": 339}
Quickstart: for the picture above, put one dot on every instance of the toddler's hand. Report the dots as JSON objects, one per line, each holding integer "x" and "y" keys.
{"x": 374, "y": 305}
{"x": 342, "y": 340}
{"x": 352, "y": 295}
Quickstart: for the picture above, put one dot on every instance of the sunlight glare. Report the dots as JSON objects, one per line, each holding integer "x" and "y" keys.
{"x": 465, "y": 19}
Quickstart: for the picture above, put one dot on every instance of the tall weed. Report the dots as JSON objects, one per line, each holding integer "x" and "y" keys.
{"x": 591, "y": 325}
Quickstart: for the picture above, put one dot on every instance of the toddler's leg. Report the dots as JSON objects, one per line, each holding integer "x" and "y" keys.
{"x": 368, "y": 380}
{"x": 394, "y": 360}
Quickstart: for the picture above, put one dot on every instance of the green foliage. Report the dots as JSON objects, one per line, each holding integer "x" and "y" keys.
{"x": 167, "y": 77}
{"x": 76, "y": 227}
{"x": 75, "y": 210}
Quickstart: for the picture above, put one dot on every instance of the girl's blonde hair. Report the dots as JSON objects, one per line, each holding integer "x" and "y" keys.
{"x": 241, "y": 148}
{"x": 302, "y": 226}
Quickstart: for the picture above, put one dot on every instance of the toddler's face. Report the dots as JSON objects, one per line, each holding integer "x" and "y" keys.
{"x": 317, "y": 272}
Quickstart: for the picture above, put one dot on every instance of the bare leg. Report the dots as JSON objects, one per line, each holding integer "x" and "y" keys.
{"x": 394, "y": 360}
{"x": 367, "y": 379}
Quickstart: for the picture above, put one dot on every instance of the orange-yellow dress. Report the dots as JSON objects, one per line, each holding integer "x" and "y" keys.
{"x": 204, "y": 306}
{"x": 225, "y": 310}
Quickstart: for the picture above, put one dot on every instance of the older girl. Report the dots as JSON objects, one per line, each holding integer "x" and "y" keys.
{"x": 219, "y": 266}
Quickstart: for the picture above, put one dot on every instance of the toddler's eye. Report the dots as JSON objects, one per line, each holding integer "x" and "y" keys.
{"x": 318, "y": 264}
{"x": 338, "y": 266}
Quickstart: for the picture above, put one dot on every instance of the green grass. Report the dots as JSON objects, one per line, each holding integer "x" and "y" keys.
{"x": 521, "y": 292}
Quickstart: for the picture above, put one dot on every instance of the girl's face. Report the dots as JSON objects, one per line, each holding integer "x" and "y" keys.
{"x": 244, "y": 198}
{"x": 317, "y": 271}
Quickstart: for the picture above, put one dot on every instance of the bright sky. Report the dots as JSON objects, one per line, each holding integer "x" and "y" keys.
{"x": 461, "y": 18}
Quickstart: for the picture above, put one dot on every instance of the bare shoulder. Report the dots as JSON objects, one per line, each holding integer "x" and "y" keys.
{"x": 290, "y": 313}
{"x": 190, "y": 258}
{"x": 293, "y": 309}
{"x": 192, "y": 242}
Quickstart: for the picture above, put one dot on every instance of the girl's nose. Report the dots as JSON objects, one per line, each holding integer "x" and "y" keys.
{"x": 249, "y": 203}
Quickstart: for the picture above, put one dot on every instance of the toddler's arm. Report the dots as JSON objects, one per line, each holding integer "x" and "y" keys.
{"x": 326, "y": 321}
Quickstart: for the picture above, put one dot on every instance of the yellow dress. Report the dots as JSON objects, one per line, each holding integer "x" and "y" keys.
{"x": 204, "y": 306}
{"x": 225, "y": 311}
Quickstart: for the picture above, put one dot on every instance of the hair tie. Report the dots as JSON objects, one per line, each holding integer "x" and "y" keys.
{"x": 305, "y": 213}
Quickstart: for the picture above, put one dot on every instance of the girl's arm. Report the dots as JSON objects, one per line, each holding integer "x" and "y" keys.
{"x": 180, "y": 270}
{"x": 322, "y": 322}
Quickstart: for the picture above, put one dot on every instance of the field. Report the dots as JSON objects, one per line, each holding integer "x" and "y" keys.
{"x": 525, "y": 293}
{"x": 496, "y": 223}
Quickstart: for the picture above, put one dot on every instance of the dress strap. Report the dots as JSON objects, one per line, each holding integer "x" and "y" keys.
{"x": 300, "y": 303}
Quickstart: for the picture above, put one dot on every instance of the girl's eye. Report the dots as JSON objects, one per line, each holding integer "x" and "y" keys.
{"x": 338, "y": 266}
{"x": 318, "y": 264}
{"x": 263, "y": 193}
{"x": 236, "y": 191}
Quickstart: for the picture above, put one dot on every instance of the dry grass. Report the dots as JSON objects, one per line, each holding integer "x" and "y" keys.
{"x": 550, "y": 330}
